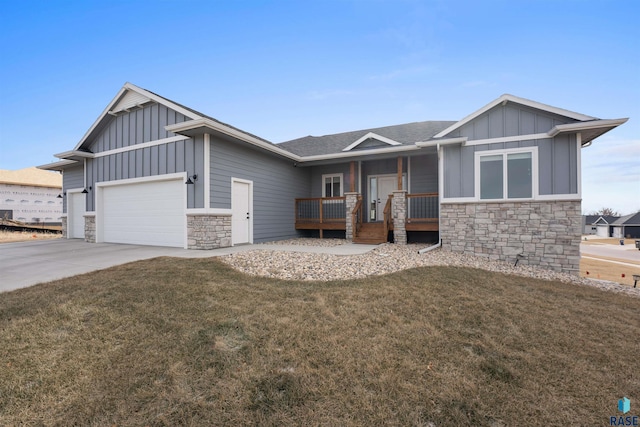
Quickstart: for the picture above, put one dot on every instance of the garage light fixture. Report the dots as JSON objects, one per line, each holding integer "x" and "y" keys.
{"x": 85, "y": 190}
{"x": 59, "y": 196}
{"x": 192, "y": 178}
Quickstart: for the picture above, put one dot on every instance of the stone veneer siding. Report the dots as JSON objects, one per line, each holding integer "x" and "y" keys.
{"x": 544, "y": 233}
{"x": 350, "y": 200}
{"x": 90, "y": 228}
{"x": 208, "y": 231}
{"x": 64, "y": 226}
{"x": 399, "y": 216}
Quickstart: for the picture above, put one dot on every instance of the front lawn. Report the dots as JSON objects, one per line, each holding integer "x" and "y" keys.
{"x": 192, "y": 342}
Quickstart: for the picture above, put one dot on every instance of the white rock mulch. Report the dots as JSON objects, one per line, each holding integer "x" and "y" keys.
{"x": 384, "y": 259}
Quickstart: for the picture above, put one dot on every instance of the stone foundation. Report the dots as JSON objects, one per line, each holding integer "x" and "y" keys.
{"x": 64, "y": 226}
{"x": 543, "y": 233}
{"x": 208, "y": 231}
{"x": 399, "y": 215}
{"x": 90, "y": 228}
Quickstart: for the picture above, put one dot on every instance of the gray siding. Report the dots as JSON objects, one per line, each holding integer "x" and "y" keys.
{"x": 276, "y": 183}
{"x": 509, "y": 120}
{"x": 180, "y": 156}
{"x": 557, "y": 165}
{"x": 318, "y": 171}
{"x": 138, "y": 126}
{"x": 424, "y": 174}
{"x": 71, "y": 178}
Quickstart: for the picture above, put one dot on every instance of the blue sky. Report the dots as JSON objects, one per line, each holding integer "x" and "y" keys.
{"x": 286, "y": 69}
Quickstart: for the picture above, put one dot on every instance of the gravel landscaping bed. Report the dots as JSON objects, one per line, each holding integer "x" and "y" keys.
{"x": 384, "y": 259}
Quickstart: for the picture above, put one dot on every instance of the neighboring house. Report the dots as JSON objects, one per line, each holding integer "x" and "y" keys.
{"x": 627, "y": 226}
{"x": 589, "y": 224}
{"x": 604, "y": 227}
{"x": 31, "y": 196}
{"x": 503, "y": 181}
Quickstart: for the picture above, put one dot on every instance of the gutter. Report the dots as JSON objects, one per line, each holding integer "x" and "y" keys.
{"x": 430, "y": 248}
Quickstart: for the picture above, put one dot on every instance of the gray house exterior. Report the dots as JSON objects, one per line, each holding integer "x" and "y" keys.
{"x": 504, "y": 181}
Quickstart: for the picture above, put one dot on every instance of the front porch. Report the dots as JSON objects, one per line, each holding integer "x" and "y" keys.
{"x": 402, "y": 212}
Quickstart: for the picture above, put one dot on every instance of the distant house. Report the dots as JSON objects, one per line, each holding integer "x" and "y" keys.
{"x": 627, "y": 226}
{"x": 589, "y": 224}
{"x": 30, "y": 195}
{"x": 604, "y": 225}
{"x": 503, "y": 181}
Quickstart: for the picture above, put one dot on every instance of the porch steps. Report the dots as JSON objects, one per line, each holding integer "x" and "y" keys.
{"x": 371, "y": 233}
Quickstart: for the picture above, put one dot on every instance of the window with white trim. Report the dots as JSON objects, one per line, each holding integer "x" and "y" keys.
{"x": 332, "y": 185}
{"x": 505, "y": 175}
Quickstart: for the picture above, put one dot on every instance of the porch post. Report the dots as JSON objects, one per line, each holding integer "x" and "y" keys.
{"x": 352, "y": 177}
{"x": 399, "y": 173}
{"x": 350, "y": 202}
{"x": 399, "y": 214}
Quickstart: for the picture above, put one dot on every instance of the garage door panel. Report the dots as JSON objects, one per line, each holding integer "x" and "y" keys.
{"x": 149, "y": 213}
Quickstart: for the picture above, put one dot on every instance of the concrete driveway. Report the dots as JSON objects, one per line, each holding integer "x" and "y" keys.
{"x": 24, "y": 264}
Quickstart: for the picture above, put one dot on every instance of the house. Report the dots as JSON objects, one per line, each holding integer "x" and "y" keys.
{"x": 627, "y": 226}
{"x": 604, "y": 226}
{"x": 31, "y": 195}
{"x": 589, "y": 224}
{"x": 503, "y": 181}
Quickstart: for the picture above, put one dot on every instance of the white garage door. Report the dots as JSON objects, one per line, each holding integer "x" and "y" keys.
{"x": 148, "y": 213}
{"x": 602, "y": 231}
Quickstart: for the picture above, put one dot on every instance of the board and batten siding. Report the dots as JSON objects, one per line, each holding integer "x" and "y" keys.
{"x": 180, "y": 156}
{"x": 136, "y": 127}
{"x": 276, "y": 183}
{"x": 557, "y": 157}
{"x": 72, "y": 177}
{"x": 423, "y": 177}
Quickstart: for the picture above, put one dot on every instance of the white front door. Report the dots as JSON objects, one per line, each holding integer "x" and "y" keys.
{"x": 386, "y": 186}
{"x": 75, "y": 215}
{"x": 241, "y": 212}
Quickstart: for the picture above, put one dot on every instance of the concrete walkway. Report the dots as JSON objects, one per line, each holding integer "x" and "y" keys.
{"x": 24, "y": 264}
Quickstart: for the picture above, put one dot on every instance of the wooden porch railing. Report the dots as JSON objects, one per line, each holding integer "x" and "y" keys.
{"x": 388, "y": 218}
{"x": 356, "y": 217}
{"x": 320, "y": 213}
{"x": 423, "y": 211}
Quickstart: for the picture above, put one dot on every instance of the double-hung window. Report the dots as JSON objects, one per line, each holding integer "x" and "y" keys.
{"x": 332, "y": 185}
{"x": 505, "y": 175}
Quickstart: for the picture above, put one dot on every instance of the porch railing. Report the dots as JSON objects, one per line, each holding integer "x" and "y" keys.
{"x": 388, "y": 218}
{"x": 423, "y": 207}
{"x": 320, "y": 210}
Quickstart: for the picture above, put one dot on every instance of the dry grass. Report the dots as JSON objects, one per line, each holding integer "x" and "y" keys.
{"x": 22, "y": 236}
{"x": 192, "y": 342}
{"x": 611, "y": 271}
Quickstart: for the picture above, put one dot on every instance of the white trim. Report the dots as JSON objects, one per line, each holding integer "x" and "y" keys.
{"x": 207, "y": 171}
{"x": 535, "y": 173}
{"x": 579, "y": 163}
{"x": 128, "y": 86}
{"x": 99, "y": 186}
{"x": 228, "y": 130}
{"x": 547, "y": 197}
{"x": 371, "y": 135}
{"x": 333, "y": 175}
{"x": 507, "y": 139}
{"x": 140, "y": 146}
{"x": 57, "y": 166}
{"x": 76, "y": 153}
{"x": 250, "y": 183}
{"x": 515, "y": 99}
{"x": 210, "y": 211}
{"x": 90, "y": 213}
{"x": 397, "y": 149}
{"x": 573, "y": 127}
{"x": 435, "y": 143}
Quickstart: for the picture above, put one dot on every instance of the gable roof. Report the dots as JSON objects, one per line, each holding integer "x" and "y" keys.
{"x": 631, "y": 219}
{"x": 404, "y": 135}
{"x": 606, "y": 219}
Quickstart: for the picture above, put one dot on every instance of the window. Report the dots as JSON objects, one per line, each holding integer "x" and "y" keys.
{"x": 332, "y": 185}
{"x": 507, "y": 175}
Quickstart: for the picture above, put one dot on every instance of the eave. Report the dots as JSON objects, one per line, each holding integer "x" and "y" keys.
{"x": 57, "y": 166}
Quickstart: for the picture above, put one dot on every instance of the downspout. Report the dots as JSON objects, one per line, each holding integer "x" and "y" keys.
{"x": 430, "y": 248}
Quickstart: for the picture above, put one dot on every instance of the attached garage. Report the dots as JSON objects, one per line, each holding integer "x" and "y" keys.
{"x": 144, "y": 211}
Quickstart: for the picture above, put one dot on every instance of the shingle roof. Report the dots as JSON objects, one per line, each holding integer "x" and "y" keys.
{"x": 405, "y": 134}
{"x": 631, "y": 219}
{"x": 31, "y": 176}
